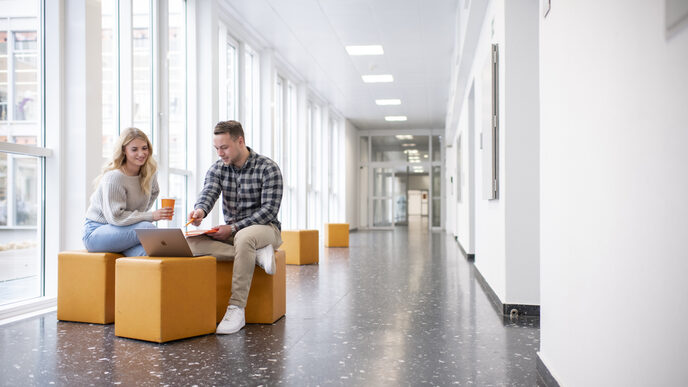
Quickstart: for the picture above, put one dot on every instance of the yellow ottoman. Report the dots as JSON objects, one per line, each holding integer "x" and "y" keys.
{"x": 86, "y": 286}
{"x": 300, "y": 246}
{"x": 164, "y": 299}
{"x": 336, "y": 234}
{"x": 267, "y": 298}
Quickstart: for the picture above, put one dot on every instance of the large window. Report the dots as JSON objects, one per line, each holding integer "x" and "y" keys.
{"x": 22, "y": 155}
{"x": 335, "y": 173}
{"x": 20, "y": 105}
{"x": 251, "y": 118}
{"x": 229, "y": 77}
{"x": 136, "y": 88}
{"x": 142, "y": 51}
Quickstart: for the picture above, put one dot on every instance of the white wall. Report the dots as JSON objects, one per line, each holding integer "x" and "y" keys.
{"x": 351, "y": 163}
{"x": 490, "y": 222}
{"x": 505, "y": 237}
{"x": 466, "y": 205}
{"x": 521, "y": 138}
{"x": 449, "y": 183}
{"x": 614, "y": 213}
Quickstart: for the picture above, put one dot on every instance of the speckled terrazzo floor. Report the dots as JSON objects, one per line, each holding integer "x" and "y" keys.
{"x": 395, "y": 308}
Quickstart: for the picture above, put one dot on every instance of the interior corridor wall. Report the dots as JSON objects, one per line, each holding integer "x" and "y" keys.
{"x": 614, "y": 213}
{"x": 506, "y": 230}
{"x": 450, "y": 184}
{"x": 464, "y": 203}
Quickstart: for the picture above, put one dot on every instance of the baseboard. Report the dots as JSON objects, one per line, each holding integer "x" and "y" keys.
{"x": 521, "y": 310}
{"x": 469, "y": 257}
{"x": 544, "y": 376}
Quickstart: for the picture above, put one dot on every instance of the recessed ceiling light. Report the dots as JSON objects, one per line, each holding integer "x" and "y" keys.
{"x": 395, "y": 118}
{"x": 377, "y": 78}
{"x": 411, "y": 144}
{"x": 365, "y": 50}
{"x": 404, "y": 137}
{"x": 388, "y": 101}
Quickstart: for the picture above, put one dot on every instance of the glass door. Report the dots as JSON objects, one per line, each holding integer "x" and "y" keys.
{"x": 382, "y": 198}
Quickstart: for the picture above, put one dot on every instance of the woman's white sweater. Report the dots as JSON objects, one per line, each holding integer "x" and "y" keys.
{"x": 120, "y": 201}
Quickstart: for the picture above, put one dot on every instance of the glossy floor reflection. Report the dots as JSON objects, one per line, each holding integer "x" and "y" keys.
{"x": 396, "y": 307}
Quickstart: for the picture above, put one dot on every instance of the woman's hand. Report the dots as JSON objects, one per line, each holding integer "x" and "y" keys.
{"x": 164, "y": 213}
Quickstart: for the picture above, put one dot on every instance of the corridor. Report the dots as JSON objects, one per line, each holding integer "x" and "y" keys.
{"x": 396, "y": 308}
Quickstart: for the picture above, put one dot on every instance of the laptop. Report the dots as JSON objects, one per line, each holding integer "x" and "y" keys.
{"x": 164, "y": 242}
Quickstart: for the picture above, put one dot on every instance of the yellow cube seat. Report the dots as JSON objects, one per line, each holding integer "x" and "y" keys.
{"x": 300, "y": 246}
{"x": 164, "y": 299}
{"x": 267, "y": 298}
{"x": 86, "y": 286}
{"x": 336, "y": 234}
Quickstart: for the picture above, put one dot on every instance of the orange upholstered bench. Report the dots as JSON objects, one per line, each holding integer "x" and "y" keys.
{"x": 164, "y": 299}
{"x": 336, "y": 234}
{"x": 300, "y": 246}
{"x": 267, "y": 300}
{"x": 86, "y": 286}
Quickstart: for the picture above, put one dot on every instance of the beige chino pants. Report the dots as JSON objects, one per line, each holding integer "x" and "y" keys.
{"x": 242, "y": 249}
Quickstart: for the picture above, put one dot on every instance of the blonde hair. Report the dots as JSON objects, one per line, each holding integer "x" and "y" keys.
{"x": 148, "y": 169}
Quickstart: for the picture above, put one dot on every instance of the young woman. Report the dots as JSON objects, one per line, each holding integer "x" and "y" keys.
{"x": 126, "y": 190}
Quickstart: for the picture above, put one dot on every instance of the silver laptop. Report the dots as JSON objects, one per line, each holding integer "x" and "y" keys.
{"x": 164, "y": 242}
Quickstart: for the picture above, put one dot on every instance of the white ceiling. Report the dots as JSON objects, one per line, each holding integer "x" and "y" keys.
{"x": 417, "y": 37}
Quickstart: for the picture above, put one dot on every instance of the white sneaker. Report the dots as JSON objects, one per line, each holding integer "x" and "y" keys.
{"x": 233, "y": 321}
{"x": 265, "y": 258}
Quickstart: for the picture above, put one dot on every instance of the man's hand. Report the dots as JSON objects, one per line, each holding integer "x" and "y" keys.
{"x": 223, "y": 233}
{"x": 197, "y": 216}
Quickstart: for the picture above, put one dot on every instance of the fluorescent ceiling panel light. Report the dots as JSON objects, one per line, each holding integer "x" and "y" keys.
{"x": 381, "y": 78}
{"x": 408, "y": 144}
{"x": 411, "y": 151}
{"x": 395, "y": 118}
{"x": 375, "y": 49}
{"x": 404, "y": 137}
{"x": 385, "y": 102}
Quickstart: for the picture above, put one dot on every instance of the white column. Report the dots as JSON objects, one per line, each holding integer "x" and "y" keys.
{"x": 54, "y": 88}
{"x": 80, "y": 155}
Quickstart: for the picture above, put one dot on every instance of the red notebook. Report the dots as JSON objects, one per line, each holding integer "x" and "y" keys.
{"x": 194, "y": 233}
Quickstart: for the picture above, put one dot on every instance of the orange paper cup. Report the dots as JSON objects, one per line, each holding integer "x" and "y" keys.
{"x": 168, "y": 203}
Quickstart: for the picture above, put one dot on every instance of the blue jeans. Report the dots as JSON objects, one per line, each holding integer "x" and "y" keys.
{"x": 103, "y": 237}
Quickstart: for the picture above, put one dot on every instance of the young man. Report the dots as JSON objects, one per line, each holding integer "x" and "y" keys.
{"x": 251, "y": 187}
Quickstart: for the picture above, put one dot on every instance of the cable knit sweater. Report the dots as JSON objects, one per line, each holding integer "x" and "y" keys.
{"x": 120, "y": 201}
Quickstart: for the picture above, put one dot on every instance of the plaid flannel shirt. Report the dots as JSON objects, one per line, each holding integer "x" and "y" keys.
{"x": 250, "y": 195}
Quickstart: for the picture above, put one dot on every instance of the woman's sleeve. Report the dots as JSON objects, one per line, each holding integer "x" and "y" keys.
{"x": 155, "y": 191}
